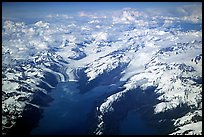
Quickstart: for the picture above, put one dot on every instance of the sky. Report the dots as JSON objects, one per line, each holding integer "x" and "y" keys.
{"x": 12, "y": 8}
{"x": 89, "y": 5}
{"x": 39, "y": 9}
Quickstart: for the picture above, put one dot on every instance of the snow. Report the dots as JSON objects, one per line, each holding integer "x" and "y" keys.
{"x": 194, "y": 128}
{"x": 106, "y": 106}
{"x": 9, "y": 87}
{"x": 10, "y": 101}
{"x": 187, "y": 118}
{"x": 11, "y": 76}
{"x": 70, "y": 38}
{"x": 163, "y": 106}
{"x": 100, "y": 36}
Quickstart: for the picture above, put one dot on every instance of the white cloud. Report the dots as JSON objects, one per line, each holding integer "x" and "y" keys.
{"x": 82, "y": 14}
{"x": 42, "y": 24}
{"x": 94, "y": 15}
{"x": 62, "y": 16}
{"x": 127, "y": 16}
{"x": 191, "y": 13}
{"x": 85, "y": 14}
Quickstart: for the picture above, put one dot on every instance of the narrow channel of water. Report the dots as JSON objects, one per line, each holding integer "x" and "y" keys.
{"x": 67, "y": 114}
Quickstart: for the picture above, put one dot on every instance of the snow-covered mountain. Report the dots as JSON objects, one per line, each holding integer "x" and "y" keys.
{"x": 178, "y": 81}
{"x": 159, "y": 68}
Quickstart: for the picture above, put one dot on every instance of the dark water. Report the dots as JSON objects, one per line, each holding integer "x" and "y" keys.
{"x": 67, "y": 114}
{"x": 134, "y": 124}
